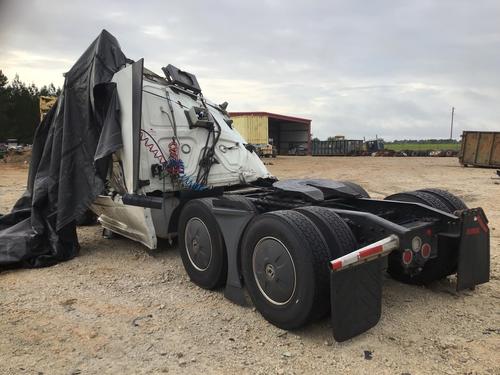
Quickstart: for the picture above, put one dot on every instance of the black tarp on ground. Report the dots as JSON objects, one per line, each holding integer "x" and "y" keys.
{"x": 71, "y": 150}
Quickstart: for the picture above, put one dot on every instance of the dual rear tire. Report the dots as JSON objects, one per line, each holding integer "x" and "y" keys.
{"x": 285, "y": 254}
{"x": 284, "y": 261}
{"x": 284, "y": 258}
{"x": 445, "y": 263}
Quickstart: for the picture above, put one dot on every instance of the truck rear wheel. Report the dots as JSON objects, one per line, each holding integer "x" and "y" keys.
{"x": 284, "y": 262}
{"x": 453, "y": 202}
{"x": 446, "y": 261}
{"x": 419, "y": 197}
{"x": 335, "y": 231}
{"x": 202, "y": 246}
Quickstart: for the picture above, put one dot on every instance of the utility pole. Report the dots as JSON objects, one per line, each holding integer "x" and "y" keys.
{"x": 451, "y": 127}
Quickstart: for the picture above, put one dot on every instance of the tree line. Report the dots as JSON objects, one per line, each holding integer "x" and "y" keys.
{"x": 20, "y": 108}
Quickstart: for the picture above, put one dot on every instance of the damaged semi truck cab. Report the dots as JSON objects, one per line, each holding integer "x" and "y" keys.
{"x": 303, "y": 249}
{"x": 169, "y": 128}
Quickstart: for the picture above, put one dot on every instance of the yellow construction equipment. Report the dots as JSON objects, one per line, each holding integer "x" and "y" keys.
{"x": 46, "y": 103}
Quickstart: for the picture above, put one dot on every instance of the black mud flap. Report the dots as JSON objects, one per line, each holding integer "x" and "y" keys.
{"x": 474, "y": 250}
{"x": 356, "y": 299}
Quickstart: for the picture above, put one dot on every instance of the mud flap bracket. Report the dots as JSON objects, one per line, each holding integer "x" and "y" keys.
{"x": 232, "y": 218}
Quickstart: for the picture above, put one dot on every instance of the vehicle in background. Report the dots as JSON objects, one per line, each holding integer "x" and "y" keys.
{"x": 12, "y": 143}
{"x": 264, "y": 150}
{"x": 3, "y": 150}
{"x": 46, "y": 103}
{"x": 374, "y": 146}
{"x": 298, "y": 150}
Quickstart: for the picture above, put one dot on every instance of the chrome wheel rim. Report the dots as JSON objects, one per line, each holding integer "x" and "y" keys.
{"x": 274, "y": 270}
{"x": 198, "y": 244}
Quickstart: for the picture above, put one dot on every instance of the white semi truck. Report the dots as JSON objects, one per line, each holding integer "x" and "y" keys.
{"x": 303, "y": 249}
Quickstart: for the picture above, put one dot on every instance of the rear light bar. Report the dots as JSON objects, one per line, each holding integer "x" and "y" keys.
{"x": 376, "y": 249}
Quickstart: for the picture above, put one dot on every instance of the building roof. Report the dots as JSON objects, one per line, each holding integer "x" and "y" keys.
{"x": 273, "y": 116}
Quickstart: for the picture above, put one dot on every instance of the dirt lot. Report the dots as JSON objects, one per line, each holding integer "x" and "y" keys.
{"x": 118, "y": 308}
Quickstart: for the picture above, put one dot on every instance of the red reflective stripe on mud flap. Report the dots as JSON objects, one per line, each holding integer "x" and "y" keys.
{"x": 371, "y": 251}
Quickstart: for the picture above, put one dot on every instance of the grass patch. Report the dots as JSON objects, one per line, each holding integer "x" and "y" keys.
{"x": 422, "y": 146}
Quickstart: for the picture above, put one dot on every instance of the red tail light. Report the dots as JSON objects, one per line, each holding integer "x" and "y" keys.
{"x": 407, "y": 257}
{"x": 426, "y": 250}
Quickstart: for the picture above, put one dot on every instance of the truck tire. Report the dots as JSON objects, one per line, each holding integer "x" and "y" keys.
{"x": 434, "y": 269}
{"x": 453, "y": 202}
{"x": 358, "y": 188}
{"x": 419, "y": 197}
{"x": 202, "y": 246}
{"x": 335, "y": 231}
{"x": 284, "y": 261}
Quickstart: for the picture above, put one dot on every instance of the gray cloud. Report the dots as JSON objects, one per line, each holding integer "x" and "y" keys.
{"x": 391, "y": 68}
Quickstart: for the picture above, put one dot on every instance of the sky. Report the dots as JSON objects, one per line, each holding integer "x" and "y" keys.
{"x": 392, "y": 69}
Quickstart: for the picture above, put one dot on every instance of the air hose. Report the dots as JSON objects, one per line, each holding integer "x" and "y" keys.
{"x": 175, "y": 168}
{"x": 172, "y": 166}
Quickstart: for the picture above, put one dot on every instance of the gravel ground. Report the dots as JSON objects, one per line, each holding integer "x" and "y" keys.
{"x": 119, "y": 308}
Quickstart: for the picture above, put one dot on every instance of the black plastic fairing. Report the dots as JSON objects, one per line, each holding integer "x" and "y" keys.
{"x": 317, "y": 189}
{"x": 143, "y": 201}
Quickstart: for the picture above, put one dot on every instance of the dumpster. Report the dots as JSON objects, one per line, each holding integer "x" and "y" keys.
{"x": 480, "y": 149}
{"x": 338, "y": 147}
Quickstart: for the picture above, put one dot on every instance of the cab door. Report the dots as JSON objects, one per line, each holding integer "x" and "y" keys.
{"x": 129, "y": 221}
